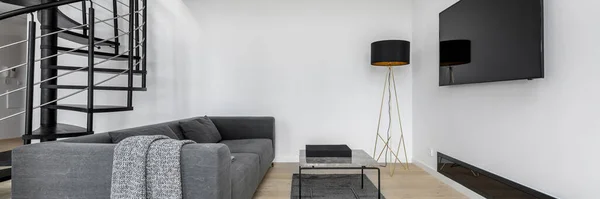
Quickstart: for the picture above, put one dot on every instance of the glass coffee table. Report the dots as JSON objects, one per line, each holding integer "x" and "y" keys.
{"x": 360, "y": 160}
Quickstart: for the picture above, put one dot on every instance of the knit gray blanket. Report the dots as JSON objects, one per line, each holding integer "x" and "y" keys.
{"x": 147, "y": 167}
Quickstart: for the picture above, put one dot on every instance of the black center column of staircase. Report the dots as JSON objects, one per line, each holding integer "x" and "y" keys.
{"x": 49, "y": 23}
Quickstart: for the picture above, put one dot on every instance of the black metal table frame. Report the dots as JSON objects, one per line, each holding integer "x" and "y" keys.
{"x": 362, "y": 176}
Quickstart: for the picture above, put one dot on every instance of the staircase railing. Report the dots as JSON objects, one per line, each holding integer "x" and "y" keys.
{"x": 136, "y": 48}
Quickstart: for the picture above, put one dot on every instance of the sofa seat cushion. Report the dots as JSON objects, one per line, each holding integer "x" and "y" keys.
{"x": 244, "y": 175}
{"x": 118, "y": 136}
{"x": 262, "y": 147}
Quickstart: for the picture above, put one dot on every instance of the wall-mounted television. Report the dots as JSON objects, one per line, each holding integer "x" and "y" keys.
{"x": 491, "y": 40}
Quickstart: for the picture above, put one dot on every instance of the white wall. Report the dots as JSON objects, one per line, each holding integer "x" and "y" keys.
{"x": 541, "y": 133}
{"x": 12, "y": 30}
{"x": 304, "y": 62}
{"x": 307, "y": 63}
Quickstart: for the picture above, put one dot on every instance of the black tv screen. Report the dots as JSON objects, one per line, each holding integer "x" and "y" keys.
{"x": 491, "y": 40}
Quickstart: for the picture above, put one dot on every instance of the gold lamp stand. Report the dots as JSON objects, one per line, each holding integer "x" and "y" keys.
{"x": 390, "y": 81}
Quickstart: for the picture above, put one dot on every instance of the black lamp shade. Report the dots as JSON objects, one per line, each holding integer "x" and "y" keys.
{"x": 455, "y": 52}
{"x": 390, "y": 53}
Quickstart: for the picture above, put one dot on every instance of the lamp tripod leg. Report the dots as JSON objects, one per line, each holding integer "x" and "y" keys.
{"x": 380, "y": 113}
{"x": 386, "y": 147}
{"x": 390, "y": 81}
{"x": 402, "y": 141}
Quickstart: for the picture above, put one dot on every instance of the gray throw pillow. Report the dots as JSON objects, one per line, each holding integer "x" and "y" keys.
{"x": 202, "y": 130}
{"x": 119, "y": 136}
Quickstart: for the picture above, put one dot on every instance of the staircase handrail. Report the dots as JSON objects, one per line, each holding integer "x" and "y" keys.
{"x": 35, "y": 8}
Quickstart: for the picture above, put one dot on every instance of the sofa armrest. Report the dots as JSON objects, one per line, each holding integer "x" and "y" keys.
{"x": 76, "y": 170}
{"x": 206, "y": 171}
{"x": 234, "y": 128}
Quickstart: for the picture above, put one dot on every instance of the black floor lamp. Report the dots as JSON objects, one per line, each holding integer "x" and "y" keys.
{"x": 390, "y": 53}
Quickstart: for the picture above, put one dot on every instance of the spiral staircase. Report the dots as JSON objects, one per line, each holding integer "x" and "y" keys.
{"x": 48, "y": 22}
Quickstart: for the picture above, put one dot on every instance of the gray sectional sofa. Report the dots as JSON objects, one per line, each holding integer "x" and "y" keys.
{"x": 81, "y": 167}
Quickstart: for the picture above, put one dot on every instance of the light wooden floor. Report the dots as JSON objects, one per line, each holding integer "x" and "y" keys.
{"x": 4, "y": 189}
{"x": 406, "y": 184}
{"x": 9, "y": 144}
{"x": 412, "y": 184}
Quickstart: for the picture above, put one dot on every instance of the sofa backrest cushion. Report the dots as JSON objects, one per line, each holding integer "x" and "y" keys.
{"x": 118, "y": 136}
{"x": 200, "y": 130}
{"x": 100, "y": 138}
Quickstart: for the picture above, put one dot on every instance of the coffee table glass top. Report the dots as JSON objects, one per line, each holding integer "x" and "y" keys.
{"x": 359, "y": 158}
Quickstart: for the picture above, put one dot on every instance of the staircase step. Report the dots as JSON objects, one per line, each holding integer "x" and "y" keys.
{"x": 82, "y": 39}
{"x": 62, "y": 19}
{"x": 105, "y": 88}
{"x": 83, "y": 108}
{"x": 5, "y": 158}
{"x": 96, "y": 70}
{"x": 97, "y": 54}
{"x": 59, "y": 131}
{"x": 5, "y": 174}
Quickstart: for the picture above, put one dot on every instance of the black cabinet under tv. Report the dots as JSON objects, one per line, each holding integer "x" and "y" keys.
{"x": 483, "y": 182}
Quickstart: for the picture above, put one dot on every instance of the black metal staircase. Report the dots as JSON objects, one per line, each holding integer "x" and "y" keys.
{"x": 54, "y": 25}
{"x": 124, "y": 46}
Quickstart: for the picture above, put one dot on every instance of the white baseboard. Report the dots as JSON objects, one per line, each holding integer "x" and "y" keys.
{"x": 458, "y": 187}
